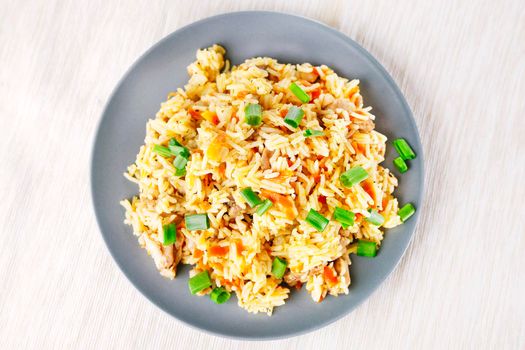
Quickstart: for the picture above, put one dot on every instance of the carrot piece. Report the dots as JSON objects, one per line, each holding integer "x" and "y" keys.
{"x": 218, "y": 250}
{"x": 285, "y": 202}
{"x": 242, "y": 94}
{"x": 283, "y": 112}
{"x": 211, "y": 117}
{"x": 385, "y": 202}
{"x": 315, "y": 94}
{"x": 239, "y": 247}
{"x": 369, "y": 188}
{"x": 194, "y": 114}
{"x": 329, "y": 275}
{"x": 198, "y": 253}
{"x": 222, "y": 169}
{"x": 322, "y": 199}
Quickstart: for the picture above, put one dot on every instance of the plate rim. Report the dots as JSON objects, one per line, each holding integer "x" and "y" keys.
{"x": 320, "y": 26}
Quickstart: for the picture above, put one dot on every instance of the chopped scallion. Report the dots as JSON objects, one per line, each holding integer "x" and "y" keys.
{"x": 406, "y": 211}
{"x": 366, "y": 248}
{"x": 403, "y": 148}
{"x": 197, "y": 222}
{"x": 180, "y": 172}
{"x": 199, "y": 282}
{"x": 316, "y": 220}
{"x": 162, "y": 151}
{"x": 353, "y": 176}
{"x": 263, "y": 208}
{"x": 177, "y": 149}
{"x": 294, "y": 116}
{"x": 180, "y": 162}
{"x": 345, "y": 217}
{"x": 220, "y": 295}
{"x": 311, "y": 133}
{"x": 253, "y": 114}
{"x": 250, "y": 197}
{"x": 299, "y": 93}
{"x": 169, "y": 234}
{"x": 375, "y": 218}
{"x": 400, "y": 164}
{"x": 279, "y": 267}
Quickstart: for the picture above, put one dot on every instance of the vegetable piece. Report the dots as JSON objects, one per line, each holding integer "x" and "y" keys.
{"x": 345, "y": 217}
{"x": 279, "y": 267}
{"x": 250, "y": 197}
{"x": 169, "y": 234}
{"x": 294, "y": 116}
{"x": 199, "y": 282}
{"x": 177, "y": 149}
{"x": 311, "y": 133}
{"x": 180, "y": 172}
{"x": 253, "y": 114}
{"x": 403, "y": 148}
{"x": 316, "y": 220}
{"x": 263, "y": 208}
{"x": 400, "y": 164}
{"x": 211, "y": 117}
{"x": 197, "y": 222}
{"x": 375, "y": 218}
{"x": 180, "y": 162}
{"x": 220, "y": 295}
{"x": 299, "y": 93}
{"x": 353, "y": 176}
{"x": 162, "y": 151}
{"x": 366, "y": 248}
{"x": 406, "y": 211}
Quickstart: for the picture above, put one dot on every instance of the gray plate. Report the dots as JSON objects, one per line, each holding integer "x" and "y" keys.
{"x": 163, "y": 69}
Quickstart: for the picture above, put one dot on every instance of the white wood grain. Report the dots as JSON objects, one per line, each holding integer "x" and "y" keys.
{"x": 461, "y": 65}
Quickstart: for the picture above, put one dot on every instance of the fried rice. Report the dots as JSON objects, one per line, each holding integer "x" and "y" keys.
{"x": 278, "y": 162}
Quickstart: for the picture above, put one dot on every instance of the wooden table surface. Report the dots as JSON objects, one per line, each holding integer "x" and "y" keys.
{"x": 461, "y": 66}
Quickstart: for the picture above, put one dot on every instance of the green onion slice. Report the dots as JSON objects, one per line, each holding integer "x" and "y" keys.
{"x": 263, "y": 208}
{"x": 294, "y": 116}
{"x": 169, "y": 234}
{"x": 220, "y": 295}
{"x": 199, "y": 282}
{"x": 180, "y": 162}
{"x": 312, "y": 133}
{"x": 403, "y": 148}
{"x": 366, "y": 248}
{"x": 406, "y": 211}
{"x": 197, "y": 222}
{"x": 345, "y": 217}
{"x": 401, "y": 165}
{"x": 250, "y": 197}
{"x": 299, "y": 93}
{"x": 177, "y": 149}
{"x": 253, "y": 114}
{"x": 316, "y": 220}
{"x": 279, "y": 267}
{"x": 375, "y": 218}
{"x": 162, "y": 151}
{"x": 180, "y": 172}
{"x": 353, "y": 176}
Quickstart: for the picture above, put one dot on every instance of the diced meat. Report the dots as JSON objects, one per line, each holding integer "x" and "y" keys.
{"x": 341, "y": 266}
{"x": 265, "y": 159}
{"x": 342, "y": 103}
{"x": 365, "y": 125}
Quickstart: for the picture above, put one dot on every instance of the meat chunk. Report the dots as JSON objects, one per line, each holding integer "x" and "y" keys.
{"x": 167, "y": 257}
{"x": 365, "y": 125}
{"x": 342, "y": 103}
{"x": 341, "y": 266}
{"x": 265, "y": 159}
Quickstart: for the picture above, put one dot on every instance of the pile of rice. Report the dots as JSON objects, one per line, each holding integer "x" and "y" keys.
{"x": 277, "y": 162}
